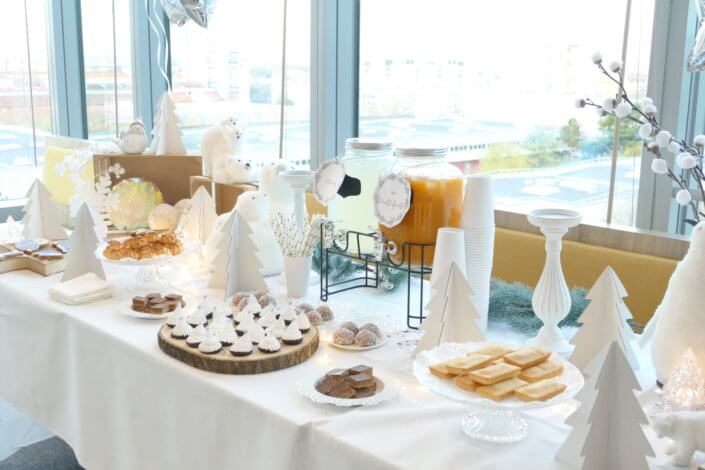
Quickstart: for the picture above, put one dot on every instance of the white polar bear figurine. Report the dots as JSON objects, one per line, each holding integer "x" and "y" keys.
{"x": 686, "y": 429}
{"x": 679, "y": 321}
{"x": 240, "y": 170}
{"x": 219, "y": 142}
{"x": 253, "y": 206}
{"x": 281, "y": 196}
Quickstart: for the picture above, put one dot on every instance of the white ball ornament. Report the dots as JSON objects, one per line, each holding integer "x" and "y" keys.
{"x": 647, "y": 102}
{"x": 645, "y": 130}
{"x": 609, "y": 103}
{"x": 163, "y": 217}
{"x": 699, "y": 140}
{"x": 685, "y": 161}
{"x": 683, "y": 197}
{"x": 659, "y": 166}
{"x": 663, "y": 138}
{"x": 615, "y": 66}
{"x": 674, "y": 146}
{"x": 597, "y": 57}
{"x": 623, "y": 110}
{"x": 650, "y": 110}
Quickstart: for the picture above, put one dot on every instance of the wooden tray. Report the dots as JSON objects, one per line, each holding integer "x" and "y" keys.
{"x": 43, "y": 267}
{"x": 223, "y": 362}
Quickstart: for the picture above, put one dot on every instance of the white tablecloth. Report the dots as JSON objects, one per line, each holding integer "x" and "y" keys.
{"x": 97, "y": 378}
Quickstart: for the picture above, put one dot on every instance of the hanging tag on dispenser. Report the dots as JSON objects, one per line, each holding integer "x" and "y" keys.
{"x": 392, "y": 199}
{"x": 328, "y": 180}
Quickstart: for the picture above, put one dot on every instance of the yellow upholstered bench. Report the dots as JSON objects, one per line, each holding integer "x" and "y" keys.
{"x": 519, "y": 256}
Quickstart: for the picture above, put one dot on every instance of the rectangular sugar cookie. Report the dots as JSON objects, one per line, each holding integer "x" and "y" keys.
{"x": 494, "y": 349}
{"x": 440, "y": 370}
{"x": 494, "y": 373}
{"x": 466, "y": 383}
{"x": 500, "y": 390}
{"x": 540, "y": 391}
{"x": 526, "y": 357}
{"x": 545, "y": 370}
{"x": 468, "y": 363}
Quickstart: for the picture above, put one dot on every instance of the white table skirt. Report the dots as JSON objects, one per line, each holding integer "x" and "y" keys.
{"x": 97, "y": 378}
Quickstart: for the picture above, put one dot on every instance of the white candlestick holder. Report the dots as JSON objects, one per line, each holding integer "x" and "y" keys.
{"x": 551, "y": 300}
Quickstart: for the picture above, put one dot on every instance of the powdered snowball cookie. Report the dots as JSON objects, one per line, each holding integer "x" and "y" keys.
{"x": 163, "y": 217}
{"x": 305, "y": 307}
{"x": 373, "y": 328}
{"x": 314, "y": 317}
{"x": 344, "y": 336}
{"x": 366, "y": 338}
{"x": 265, "y": 300}
{"x": 325, "y": 312}
{"x": 350, "y": 326}
{"x": 182, "y": 206}
{"x": 259, "y": 293}
{"x": 238, "y": 297}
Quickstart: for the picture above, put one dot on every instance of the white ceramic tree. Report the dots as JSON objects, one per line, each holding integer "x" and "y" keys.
{"x": 41, "y": 215}
{"x": 607, "y": 432}
{"x": 236, "y": 265}
{"x": 166, "y": 135}
{"x": 198, "y": 221}
{"x": 81, "y": 258}
{"x": 453, "y": 316}
{"x": 604, "y": 321}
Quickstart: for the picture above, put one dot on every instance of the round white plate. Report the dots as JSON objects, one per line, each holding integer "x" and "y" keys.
{"x": 571, "y": 376}
{"x": 188, "y": 247}
{"x": 352, "y": 347}
{"x": 307, "y": 388}
{"x": 126, "y": 309}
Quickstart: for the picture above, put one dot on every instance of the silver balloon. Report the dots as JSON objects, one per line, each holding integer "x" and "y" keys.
{"x": 180, "y": 11}
{"x": 696, "y": 60}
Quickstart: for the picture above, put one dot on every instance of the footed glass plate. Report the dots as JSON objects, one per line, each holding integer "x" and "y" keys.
{"x": 491, "y": 421}
{"x": 386, "y": 390}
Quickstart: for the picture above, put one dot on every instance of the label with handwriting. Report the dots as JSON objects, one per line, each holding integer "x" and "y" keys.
{"x": 328, "y": 179}
{"x": 392, "y": 199}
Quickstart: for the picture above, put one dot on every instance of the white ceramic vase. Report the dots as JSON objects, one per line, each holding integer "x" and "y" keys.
{"x": 551, "y": 300}
{"x": 297, "y": 272}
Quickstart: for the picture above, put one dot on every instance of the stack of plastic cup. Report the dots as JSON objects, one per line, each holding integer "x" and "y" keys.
{"x": 450, "y": 248}
{"x": 478, "y": 224}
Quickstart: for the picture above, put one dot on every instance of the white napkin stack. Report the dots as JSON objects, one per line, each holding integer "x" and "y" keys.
{"x": 81, "y": 289}
{"x": 478, "y": 224}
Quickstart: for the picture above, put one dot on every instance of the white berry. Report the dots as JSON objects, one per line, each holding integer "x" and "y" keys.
{"x": 615, "y": 66}
{"x": 699, "y": 140}
{"x": 663, "y": 138}
{"x": 623, "y": 110}
{"x": 685, "y": 161}
{"x": 674, "y": 146}
{"x": 683, "y": 197}
{"x": 645, "y": 130}
{"x": 597, "y": 57}
{"x": 659, "y": 166}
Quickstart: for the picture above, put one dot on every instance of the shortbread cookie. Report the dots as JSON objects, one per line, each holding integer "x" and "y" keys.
{"x": 545, "y": 370}
{"x": 463, "y": 365}
{"x": 440, "y": 370}
{"x": 494, "y": 373}
{"x": 494, "y": 349}
{"x": 466, "y": 383}
{"x": 526, "y": 357}
{"x": 540, "y": 391}
{"x": 500, "y": 390}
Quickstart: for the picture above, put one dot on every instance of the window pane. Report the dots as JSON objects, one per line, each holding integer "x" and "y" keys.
{"x": 103, "y": 68}
{"x": 499, "y": 91}
{"x": 25, "y": 115}
{"x": 234, "y": 67}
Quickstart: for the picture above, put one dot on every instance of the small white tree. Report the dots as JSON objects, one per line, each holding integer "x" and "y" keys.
{"x": 607, "y": 432}
{"x": 166, "y": 135}
{"x": 41, "y": 215}
{"x": 81, "y": 258}
{"x": 236, "y": 265}
{"x": 453, "y": 316}
{"x": 198, "y": 221}
{"x": 604, "y": 321}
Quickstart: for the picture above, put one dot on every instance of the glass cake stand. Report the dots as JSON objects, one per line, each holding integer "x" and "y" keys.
{"x": 149, "y": 277}
{"x": 490, "y": 421}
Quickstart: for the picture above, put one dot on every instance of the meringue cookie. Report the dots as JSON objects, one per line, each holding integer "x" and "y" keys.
{"x": 256, "y": 334}
{"x": 303, "y": 323}
{"x": 210, "y": 344}
{"x": 277, "y": 328}
{"x": 246, "y": 326}
{"x": 292, "y": 335}
{"x": 226, "y": 334}
{"x": 181, "y": 330}
{"x": 173, "y": 318}
{"x": 290, "y": 314}
{"x": 269, "y": 344}
{"x": 242, "y": 346}
{"x": 197, "y": 335}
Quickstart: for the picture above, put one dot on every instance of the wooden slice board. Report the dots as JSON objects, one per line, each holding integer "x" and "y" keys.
{"x": 223, "y": 362}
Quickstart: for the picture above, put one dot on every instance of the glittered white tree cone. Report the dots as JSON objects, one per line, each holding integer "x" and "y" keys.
{"x": 479, "y": 227}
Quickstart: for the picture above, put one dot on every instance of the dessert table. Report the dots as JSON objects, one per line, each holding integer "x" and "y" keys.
{"x": 96, "y": 377}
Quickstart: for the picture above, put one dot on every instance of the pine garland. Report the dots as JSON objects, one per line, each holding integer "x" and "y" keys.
{"x": 511, "y": 304}
{"x": 341, "y": 268}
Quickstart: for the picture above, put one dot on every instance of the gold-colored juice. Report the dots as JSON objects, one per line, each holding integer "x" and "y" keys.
{"x": 435, "y": 203}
